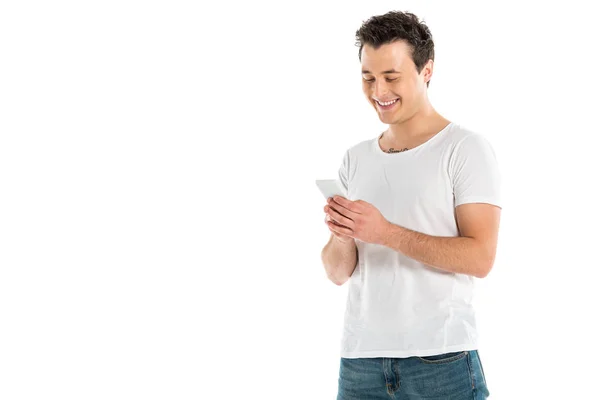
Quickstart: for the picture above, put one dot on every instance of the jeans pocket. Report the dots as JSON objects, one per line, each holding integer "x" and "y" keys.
{"x": 443, "y": 358}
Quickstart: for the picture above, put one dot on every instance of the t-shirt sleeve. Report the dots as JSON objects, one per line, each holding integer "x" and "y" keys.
{"x": 343, "y": 170}
{"x": 475, "y": 173}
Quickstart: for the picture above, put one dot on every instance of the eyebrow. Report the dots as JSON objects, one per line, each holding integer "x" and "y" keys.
{"x": 389, "y": 71}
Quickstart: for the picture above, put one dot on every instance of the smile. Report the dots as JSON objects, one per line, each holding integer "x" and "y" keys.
{"x": 388, "y": 105}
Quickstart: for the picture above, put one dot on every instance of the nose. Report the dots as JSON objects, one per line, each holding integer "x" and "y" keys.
{"x": 380, "y": 89}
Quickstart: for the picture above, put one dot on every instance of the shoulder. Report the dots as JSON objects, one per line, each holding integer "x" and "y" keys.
{"x": 465, "y": 140}
{"x": 459, "y": 133}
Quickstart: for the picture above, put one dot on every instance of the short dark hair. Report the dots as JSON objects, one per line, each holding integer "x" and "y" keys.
{"x": 397, "y": 25}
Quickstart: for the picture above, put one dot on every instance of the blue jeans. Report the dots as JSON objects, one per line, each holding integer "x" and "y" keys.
{"x": 451, "y": 376}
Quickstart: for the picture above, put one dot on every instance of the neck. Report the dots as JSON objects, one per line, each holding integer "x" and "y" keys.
{"x": 423, "y": 122}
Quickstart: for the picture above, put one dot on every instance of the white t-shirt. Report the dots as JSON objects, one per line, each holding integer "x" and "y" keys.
{"x": 397, "y": 306}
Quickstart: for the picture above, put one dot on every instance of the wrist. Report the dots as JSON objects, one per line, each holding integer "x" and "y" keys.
{"x": 387, "y": 233}
{"x": 343, "y": 242}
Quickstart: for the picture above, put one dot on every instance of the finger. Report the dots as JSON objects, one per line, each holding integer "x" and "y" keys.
{"x": 339, "y": 209}
{"x": 329, "y": 219}
{"x": 344, "y": 206}
{"x": 340, "y": 229}
{"x": 339, "y": 218}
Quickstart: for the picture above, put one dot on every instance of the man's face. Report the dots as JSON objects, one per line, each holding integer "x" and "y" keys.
{"x": 389, "y": 74}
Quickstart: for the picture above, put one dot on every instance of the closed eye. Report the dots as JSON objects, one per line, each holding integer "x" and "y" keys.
{"x": 389, "y": 80}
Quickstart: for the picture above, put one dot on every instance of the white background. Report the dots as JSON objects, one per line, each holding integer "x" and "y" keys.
{"x": 160, "y": 225}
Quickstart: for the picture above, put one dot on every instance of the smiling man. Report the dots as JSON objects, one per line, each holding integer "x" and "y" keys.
{"x": 419, "y": 225}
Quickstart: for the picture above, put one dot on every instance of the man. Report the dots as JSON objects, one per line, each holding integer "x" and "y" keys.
{"x": 420, "y": 222}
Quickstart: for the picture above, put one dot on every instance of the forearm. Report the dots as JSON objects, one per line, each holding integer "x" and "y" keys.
{"x": 339, "y": 259}
{"x": 464, "y": 255}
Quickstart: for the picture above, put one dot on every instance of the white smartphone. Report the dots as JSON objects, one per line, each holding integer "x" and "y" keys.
{"x": 331, "y": 187}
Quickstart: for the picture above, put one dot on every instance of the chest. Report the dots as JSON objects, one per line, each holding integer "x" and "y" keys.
{"x": 403, "y": 188}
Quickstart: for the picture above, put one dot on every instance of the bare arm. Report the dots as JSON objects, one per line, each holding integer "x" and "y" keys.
{"x": 462, "y": 255}
{"x": 472, "y": 253}
{"x": 339, "y": 259}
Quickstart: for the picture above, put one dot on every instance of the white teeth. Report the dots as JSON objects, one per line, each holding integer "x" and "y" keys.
{"x": 386, "y": 104}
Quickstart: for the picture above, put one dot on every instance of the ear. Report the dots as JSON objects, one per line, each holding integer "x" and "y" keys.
{"x": 427, "y": 71}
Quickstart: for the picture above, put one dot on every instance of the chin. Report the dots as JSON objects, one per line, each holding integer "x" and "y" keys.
{"x": 389, "y": 119}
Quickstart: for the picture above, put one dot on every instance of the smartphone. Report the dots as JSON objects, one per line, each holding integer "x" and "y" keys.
{"x": 331, "y": 187}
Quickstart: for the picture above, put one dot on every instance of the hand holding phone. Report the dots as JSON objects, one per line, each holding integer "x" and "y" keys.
{"x": 330, "y": 188}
